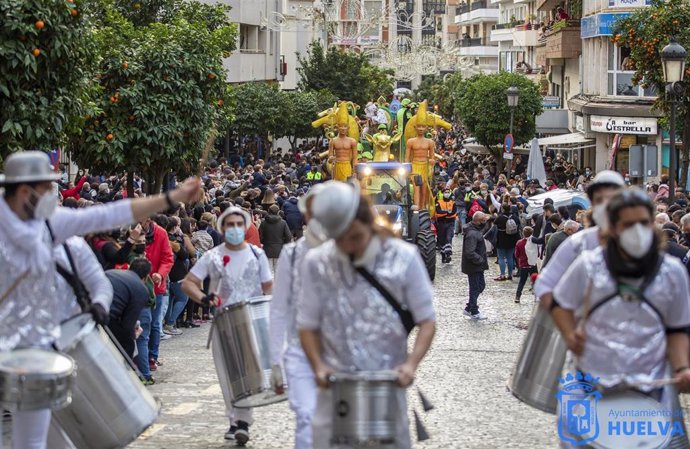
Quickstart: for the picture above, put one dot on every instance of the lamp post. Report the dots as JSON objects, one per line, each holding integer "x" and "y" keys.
{"x": 673, "y": 62}
{"x": 513, "y": 97}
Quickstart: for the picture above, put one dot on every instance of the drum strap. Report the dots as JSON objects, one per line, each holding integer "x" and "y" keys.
{"x": 405, "y": 315}
{"x": 80, "y": 291}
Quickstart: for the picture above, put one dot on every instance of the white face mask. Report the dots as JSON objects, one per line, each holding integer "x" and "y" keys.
{"x": 45, "y": 206}
{"x": 599, "y": 216}
{"x": 636, "y": 240}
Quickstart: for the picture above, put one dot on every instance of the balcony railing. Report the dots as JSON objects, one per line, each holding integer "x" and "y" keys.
{"x": 470, "y": 42}
{"x": 462, "y": 9}
{"x": 480, "y": 4}
{"x": 434, "y": 7}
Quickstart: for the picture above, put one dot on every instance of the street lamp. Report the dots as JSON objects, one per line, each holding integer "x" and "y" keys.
{"x": 513, "y": 97}
{"x": 673, "y": 62}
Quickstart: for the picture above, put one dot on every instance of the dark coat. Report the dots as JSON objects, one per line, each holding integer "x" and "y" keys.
{"x": 504, "y": 240}
{"x": 274, "y": 233}
{"x": 292, "y": 214}
{"x": 473, "y": 250}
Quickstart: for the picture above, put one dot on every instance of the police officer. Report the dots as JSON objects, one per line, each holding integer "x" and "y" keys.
{"x": 314, "y": 175}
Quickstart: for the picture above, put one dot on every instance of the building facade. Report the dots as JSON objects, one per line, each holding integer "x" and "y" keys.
{"x": 475, "y": 20}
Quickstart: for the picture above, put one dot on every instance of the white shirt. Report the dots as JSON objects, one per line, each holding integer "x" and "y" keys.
{"x": 563, "y": 258}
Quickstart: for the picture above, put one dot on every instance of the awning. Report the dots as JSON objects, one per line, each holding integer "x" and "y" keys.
{"x": 565, "y": 139}
{"x": 476, "y": 148}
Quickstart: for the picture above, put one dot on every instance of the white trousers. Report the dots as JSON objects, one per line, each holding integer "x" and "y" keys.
{"x": 322, "y": 423}
{"x": 29, "y": 429}
{"x": 302, "y": 391}
{"x": 234, "y": 414}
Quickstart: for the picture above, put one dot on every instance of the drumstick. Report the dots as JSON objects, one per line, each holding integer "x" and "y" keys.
{"x": 654, "y": 383}
{"x": 14, "y": 285}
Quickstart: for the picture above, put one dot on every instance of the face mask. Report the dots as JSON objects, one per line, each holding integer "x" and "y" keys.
{"x": 45, "y": 206}
{"x": 234, "y": 236}
{"x": 139, "y": 248}
{"x": 599, "y": 216}
{"x": 446, "y": 195}
{"x": 484, "y": 192}
{"x": 467, "y": 189}
{"x": 636, "y": 241}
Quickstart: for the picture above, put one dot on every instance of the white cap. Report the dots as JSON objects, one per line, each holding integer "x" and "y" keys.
{"x": 335, "y": 207}
{"x": 234, "y": 210}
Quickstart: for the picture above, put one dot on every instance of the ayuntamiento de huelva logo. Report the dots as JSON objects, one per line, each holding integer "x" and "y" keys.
{"x": 617, "y": 418}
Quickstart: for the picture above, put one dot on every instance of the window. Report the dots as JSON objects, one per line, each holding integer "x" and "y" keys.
{"x": 620, "y": 75}
{"x": 249, "y": 38}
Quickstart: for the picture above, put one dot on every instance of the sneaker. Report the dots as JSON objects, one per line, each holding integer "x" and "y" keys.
{"x": 500, "y": 278}
{"x": 478, "y": 316}
{"x": 466, "y": 313}
{"x": 170, "y": 330}
{"x": 517, "y": 300}
{"x": 449, "y": 259}
{"x": 165, "y": 337}
{"x": 242, "y": 433}
{"x": 152, "y": 365}
{"x": 230, "y": 434}
{"x": 148, "y": 381}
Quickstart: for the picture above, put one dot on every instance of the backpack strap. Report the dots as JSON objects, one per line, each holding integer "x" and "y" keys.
{"x": 80, "y": 292}
{"x": 405, "y": 315}
{"x": 253, "y": 248}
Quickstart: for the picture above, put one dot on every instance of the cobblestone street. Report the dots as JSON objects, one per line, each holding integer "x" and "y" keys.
{"x": 464, "y": 376}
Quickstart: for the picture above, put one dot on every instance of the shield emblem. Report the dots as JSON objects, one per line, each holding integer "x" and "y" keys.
{"x": 577, "y": 420}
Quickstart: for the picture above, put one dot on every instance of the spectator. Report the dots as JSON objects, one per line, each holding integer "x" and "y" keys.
{"x": 274, "y": 233}
{"x": 569, "y": 228}
{"x": 507, "y": 237}
{"x": 474, "y": 263}
{"x": 526, "y": 254}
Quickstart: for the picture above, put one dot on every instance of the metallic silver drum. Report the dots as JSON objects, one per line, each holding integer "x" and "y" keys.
{"x": 35, "y": 379}
{"x": 241, "y": 337}
{"x": 535, "y": 377}
{"x": 365, "y": 408}
{"x": 110, "y": 406}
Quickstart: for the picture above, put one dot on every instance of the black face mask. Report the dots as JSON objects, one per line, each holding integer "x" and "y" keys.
{"x": 139, "y": 248}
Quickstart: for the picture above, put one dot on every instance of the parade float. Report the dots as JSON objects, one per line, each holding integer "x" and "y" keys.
{"x": 389, "y": 176}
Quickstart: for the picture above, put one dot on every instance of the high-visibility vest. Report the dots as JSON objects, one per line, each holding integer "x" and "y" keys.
{"x": 447, "y": 209}
{"x": 314, "y": 176}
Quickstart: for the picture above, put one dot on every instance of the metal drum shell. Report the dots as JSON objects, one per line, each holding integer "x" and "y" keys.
{"x": 539, "y": 365}
{"x": 36, "y": 390}
{"x": 365, "y": 408}
{"x": 242, "y": 337}
{"x": 110, "y": 406}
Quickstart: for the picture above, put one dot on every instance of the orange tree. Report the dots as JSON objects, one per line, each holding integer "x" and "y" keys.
{"x": 45, "y": 51}
{"x": 160, "y": 89}
{"x": 646, "y": 32}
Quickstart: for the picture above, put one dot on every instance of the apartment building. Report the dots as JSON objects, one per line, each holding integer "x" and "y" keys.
{"x": 475, "y": 20}
{"x": 257, "y": 57}
{"x": 611, "y": 112}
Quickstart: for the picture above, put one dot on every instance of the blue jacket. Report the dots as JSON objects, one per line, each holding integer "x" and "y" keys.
{"x": 292, "y": 214}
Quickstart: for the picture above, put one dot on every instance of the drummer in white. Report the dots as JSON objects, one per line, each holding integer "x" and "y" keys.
{"x": 238, "y": 271}
{"x": 345, "y": 323}
{"x": 285, "y": 345}
{"x": 623, "y": 308}
{"x": 27, "y": 280}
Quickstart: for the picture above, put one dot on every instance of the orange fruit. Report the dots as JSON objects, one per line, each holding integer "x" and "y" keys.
{"x": 109, "y": 137}
{"x": 39, "y": 24}
{"x": 131, "y": 118}
{"x": 221, "y": 102}
{"x": 36, "y": 52}
{"x": 74, "y": 12}
{"x": 125, "y": 65}
{"x": 211, "y": 76}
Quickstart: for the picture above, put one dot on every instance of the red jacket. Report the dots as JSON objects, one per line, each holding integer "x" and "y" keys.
{"x": 160, "y": 254}
{"x": 521, "y": 254}
{"x": 252, "y": 236}
{"x": 74, "y": 192}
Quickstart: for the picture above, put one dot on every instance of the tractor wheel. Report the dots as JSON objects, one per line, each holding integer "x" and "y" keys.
{"x": 424, "y": 220}
{"x": 426, "y": 243}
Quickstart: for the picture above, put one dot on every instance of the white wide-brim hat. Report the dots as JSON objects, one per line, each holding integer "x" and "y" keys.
{"x": 234, "y": 210}
{"x": 335, "y": 207}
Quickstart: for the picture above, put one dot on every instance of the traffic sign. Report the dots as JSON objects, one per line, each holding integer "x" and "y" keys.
{"x": 508, "y": 143}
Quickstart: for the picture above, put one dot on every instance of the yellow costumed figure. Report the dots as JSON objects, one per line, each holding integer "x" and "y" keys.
{"x": 382, "y": 143}
{"x": 342, "y": 150}
{"x": 421, "y": 153}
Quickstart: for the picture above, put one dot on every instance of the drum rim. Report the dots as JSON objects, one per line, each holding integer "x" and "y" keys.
{"x": 40, "y": 375}
{"x": 244, "y": 302}
{"x": 86, "y": 329}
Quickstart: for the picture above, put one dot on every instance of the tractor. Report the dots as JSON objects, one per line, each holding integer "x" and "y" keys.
{"x": 389, "y": 186}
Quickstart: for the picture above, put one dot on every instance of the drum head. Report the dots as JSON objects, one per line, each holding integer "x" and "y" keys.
{"x": 73, "y": 330}
{"x": 259, "y": 299}
{"x": 365, "y": 376}
{"x": 266, "y": 397}
{"x": 632, "y": 420}
{"x": 35, "y": 361}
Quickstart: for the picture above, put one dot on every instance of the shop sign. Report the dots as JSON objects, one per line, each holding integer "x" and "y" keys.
{"x": 629, "y": 3}
{"x": 600, "y": 24}
{"x": 623, "y": 125}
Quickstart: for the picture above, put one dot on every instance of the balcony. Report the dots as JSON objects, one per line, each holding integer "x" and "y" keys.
{"x": 476, "y": 46}
{"x": 561, "y": 42}
{"x": 462, "y": 9}
{"x": 524, "y": 36}
{"x": 479, "y": 12}
{"x": 499, "y": 33}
